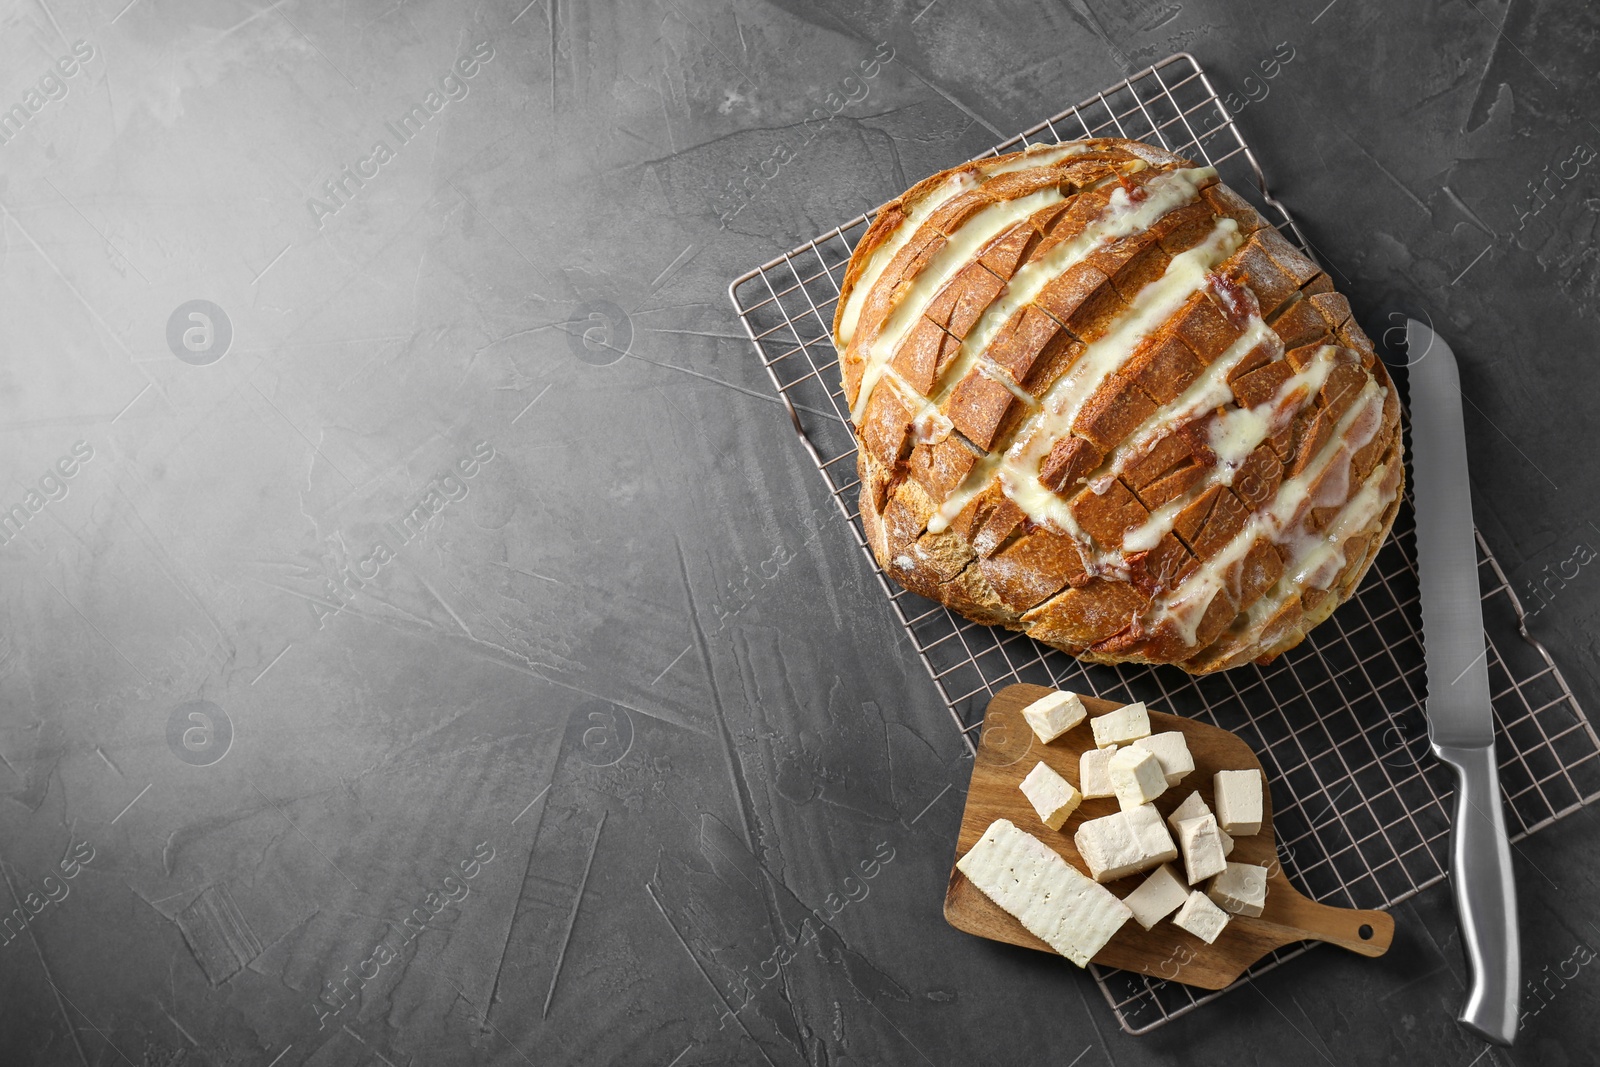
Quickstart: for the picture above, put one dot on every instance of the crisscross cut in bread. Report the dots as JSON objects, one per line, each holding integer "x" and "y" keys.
{"x": 1100, "y": 400}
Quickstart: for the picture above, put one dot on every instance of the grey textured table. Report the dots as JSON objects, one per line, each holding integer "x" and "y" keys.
{"x": 425, "y": 639}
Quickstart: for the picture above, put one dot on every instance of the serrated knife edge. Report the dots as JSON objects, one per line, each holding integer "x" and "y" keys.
{"x": 1458, "y": 705}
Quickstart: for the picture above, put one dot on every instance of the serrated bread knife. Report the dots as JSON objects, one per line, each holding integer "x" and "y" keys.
{"x": 1460, "y": 720}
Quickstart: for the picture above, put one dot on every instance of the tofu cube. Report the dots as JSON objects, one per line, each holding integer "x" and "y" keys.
{"x": 1157, "y": 896}
{"x": 1241, "y": 889}
{"x": 1144, "y": 822}
{"x": 1238, "y": 796}
{"x": 1202, "y": 848}
{"x": 1052, "y": 900}
{"x": 1193, "y": 807}
{"x": 1124, "y": 843}
{"x": 1171, "y": 750}
{"x": 1051, "y": 795}
{"x": 1054, "y": 715}
{"x": 1201, "y": 917}
{"x": 1127, "y": 723}
{"x": 1094, "y": 772}
{"x": 1136, "y": 776}
{"x": 1109, "y": 848}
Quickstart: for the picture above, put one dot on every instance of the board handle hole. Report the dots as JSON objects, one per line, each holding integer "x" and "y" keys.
{"x": 1365, "y": 932}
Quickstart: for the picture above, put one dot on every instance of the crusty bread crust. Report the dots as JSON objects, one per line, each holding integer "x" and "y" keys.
{"x": 1100, "y": 401}
{"x": 890, "y": 216}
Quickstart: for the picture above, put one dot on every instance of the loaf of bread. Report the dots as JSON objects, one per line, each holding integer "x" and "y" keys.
{"x": 1100, "y": 400}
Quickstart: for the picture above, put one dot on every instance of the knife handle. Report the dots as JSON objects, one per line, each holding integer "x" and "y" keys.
{"x": 1486, "y": 895}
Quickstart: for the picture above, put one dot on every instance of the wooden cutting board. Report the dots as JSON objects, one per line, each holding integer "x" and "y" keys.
{"x": 1007, "y": 751}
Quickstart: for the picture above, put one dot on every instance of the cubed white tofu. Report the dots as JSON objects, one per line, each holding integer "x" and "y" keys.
{"x": 1202, "y": 848}
{"x": 1051, "y": 795}
{"x": 1128, "y": 723}
{"x": 1094, "y": 772}
{"x": 1109, "y": 848}
{"x": 1238, "y": 795}
{"x": 1144, "y": 822}
{"x": 1157, "y": 896}
{"x": 1054, "y": 902}
{"x": 1241, "y": 889}
{"x": 1054, "y": 715}
{"x": 1125, "y": 843}
{"x": 1193, "y": 807}
{"x": 1201, "y": 917}
{"x": 1136, "y": 776}
{"x": 1171, "y": 750}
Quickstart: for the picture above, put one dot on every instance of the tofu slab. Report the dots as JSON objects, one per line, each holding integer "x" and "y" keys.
{"x": 1054, "y": 902}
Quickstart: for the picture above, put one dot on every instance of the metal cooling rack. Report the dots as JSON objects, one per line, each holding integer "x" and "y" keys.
{"x": 1360, "y": 806}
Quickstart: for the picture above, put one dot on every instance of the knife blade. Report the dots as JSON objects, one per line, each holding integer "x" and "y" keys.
{"x": 1460, "y": 717}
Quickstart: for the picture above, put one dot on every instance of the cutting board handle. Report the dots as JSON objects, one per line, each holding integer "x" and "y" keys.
{"x": 1309, "y": 921}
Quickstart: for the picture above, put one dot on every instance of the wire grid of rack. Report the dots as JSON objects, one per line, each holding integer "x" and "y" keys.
{"x": 1360, "y": 805}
